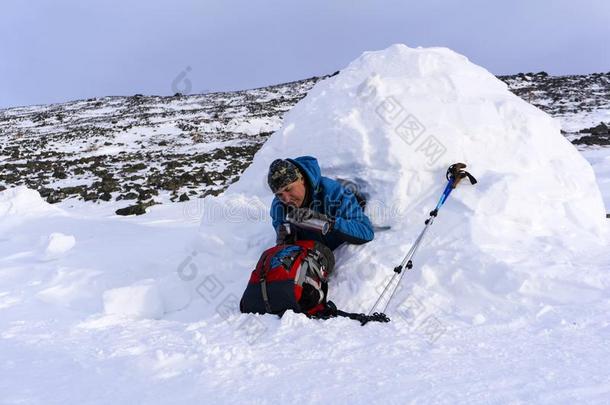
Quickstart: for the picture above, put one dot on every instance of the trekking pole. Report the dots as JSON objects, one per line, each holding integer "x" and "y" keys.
{"x": 455, "y": 173}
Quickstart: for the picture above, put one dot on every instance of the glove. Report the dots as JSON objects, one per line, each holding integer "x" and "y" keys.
{"x": 285, "y": 234}
{"x": 301, "y": 215}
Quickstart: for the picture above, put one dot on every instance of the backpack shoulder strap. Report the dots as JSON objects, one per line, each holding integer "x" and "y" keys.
{"x": 263, "y": 267}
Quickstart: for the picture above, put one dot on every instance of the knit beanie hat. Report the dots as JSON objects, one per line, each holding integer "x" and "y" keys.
{"x": 281, "y": 173}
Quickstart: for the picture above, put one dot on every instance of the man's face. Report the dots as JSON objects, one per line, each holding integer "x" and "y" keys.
{"x": 293, "y": 194}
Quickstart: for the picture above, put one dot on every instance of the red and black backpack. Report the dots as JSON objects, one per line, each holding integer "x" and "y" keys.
{"x": 295, "y": 277}
{"x": 290, "y": 277}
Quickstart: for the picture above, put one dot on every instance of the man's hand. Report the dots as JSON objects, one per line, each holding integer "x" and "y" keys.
{"x": 300, "y": 216}
{"x": 303, "y": 214}
{"x": 284, "y": 235}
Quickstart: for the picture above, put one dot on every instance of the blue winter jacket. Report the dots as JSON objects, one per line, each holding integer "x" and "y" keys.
{"x": 332, "y": 199}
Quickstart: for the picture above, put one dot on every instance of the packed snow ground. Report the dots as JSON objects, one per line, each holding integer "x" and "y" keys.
{"x": 507, "y": 302}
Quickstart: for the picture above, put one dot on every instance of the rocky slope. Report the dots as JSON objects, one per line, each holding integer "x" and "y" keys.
{"x": 150, "y": 149}
{"x": 581, "y": 103}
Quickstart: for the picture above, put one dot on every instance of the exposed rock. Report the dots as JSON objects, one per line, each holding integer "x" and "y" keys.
{"x": 137, "y": 209}
{"x": 598, "y": 135}
{"x": 59, "y": 173}
{"x": 129, "y": 196}
{"x": 55, "y": 197}
{"x": 90, "y": 197}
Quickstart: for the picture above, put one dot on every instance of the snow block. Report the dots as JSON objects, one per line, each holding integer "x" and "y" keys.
{"x": 141, "y": 300}
{"x": 59, "y": 244}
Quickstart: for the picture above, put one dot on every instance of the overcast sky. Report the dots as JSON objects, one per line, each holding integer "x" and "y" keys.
{"x": 61, "y": 50}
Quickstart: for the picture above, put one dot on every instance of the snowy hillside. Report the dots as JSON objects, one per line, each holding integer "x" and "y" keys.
{"x": 580, "y": 103}
{"x": 507, "y": 301}
{"x": 143, "y": 150}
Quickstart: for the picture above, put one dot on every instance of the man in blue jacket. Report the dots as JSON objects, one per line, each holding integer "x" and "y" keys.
{"x": 301, "y": 191}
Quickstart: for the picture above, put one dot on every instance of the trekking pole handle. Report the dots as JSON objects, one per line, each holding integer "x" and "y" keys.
{"x": 450, "y": 186}
{"x": 457, "y": 173}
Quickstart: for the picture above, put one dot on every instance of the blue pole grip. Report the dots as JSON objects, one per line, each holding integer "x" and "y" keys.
{"x": 446, "y": 193}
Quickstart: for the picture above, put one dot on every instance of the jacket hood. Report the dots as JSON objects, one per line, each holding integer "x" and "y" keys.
{"x": 310, "y": 168}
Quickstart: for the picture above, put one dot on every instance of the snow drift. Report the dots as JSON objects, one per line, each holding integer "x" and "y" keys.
{"x": 18, "y": 203}
{"x": 394, "y": 120}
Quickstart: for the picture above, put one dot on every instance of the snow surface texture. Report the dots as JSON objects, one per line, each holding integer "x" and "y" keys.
{"x": 600, "y": 161}
{"x": 507, "y": 301}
